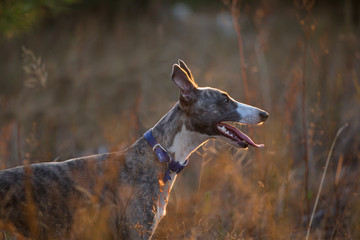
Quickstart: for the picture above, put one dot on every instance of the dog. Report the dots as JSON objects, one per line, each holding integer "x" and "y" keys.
{"x": 122, "y": 195}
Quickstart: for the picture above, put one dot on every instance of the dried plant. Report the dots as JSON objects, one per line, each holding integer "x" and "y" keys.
{"x": 34, "y": 68}
{"x": 307, "y": 28}
{"x": 235, "y": 14}
{"x": 323, "y": 178}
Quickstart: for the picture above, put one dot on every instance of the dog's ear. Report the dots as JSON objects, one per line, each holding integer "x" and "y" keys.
{"x": 186, "y": 69}
{"x": 184, "y": 82}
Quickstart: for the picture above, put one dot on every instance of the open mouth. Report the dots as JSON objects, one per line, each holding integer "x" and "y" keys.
{"x": 234, "y": 134}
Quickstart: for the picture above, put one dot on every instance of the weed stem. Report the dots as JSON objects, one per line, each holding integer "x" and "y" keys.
{"x": 323, "y": 177}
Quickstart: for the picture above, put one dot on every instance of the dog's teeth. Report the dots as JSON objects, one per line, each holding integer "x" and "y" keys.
{"x": 227, "y": 132}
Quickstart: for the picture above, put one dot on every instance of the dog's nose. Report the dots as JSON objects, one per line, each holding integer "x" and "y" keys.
{"x": 263, "y": 115}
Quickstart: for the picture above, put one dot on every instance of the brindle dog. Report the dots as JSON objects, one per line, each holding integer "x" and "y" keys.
{"x": 122, "y": 195}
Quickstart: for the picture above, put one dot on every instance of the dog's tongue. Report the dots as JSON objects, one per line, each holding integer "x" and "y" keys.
{"x": 241, "y": 135}
{"x": 248, "y": 139}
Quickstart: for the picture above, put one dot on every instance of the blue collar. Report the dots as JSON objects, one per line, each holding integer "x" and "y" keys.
{"x": 164, "y": 157}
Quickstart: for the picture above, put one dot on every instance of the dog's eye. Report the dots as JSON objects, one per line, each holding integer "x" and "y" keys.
{"x": 226, "y": 100}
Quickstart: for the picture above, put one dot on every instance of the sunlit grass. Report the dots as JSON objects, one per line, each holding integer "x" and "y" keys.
{"x": 106, "y": 86}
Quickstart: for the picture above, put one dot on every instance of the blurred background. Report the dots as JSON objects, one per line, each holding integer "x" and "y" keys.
{"x": 80, "y": 77}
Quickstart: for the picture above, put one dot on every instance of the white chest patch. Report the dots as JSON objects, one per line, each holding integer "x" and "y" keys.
{"x": 186, "y": 142}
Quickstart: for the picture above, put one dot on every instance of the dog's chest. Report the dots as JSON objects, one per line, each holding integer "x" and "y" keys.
{"x": 185, "y": 142}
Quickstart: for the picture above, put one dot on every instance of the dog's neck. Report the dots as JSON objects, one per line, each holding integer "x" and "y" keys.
{"x": 171, "y": 132}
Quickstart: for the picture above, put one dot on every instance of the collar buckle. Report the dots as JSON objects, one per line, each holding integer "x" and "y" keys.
{"x": 157, "y": 145}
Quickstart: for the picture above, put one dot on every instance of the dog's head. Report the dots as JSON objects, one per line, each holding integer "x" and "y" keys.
{"x": 211, "y": 111}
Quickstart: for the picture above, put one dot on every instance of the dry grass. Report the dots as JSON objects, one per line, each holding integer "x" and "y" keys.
{"x": 106, "y": 84}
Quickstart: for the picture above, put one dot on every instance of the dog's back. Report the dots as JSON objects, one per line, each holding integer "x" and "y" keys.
{"x": 56, "y": 200}
{"x": 96, "y": 197}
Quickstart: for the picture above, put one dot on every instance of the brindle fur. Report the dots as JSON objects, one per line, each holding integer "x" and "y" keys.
{"x": 108, "y": 195}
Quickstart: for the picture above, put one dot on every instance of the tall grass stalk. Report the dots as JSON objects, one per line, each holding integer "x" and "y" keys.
{"x": 307, "y": 28}
{"x": 304, "y": 127}
{"x": 235, "y": 12}
{"x": 323, "y": 177}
